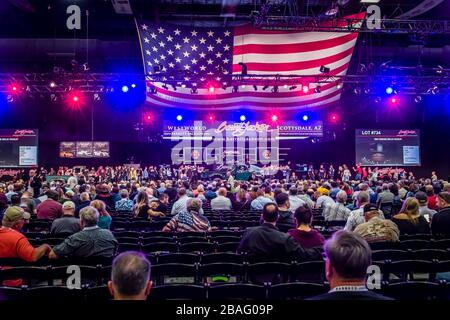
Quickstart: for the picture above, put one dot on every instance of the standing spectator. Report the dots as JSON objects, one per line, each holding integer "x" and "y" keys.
{"x": 68, "y": 223}
{"x": 130, "y": 277}
{"x": 50, "y": 208}
{"x": 304, "y": 234}
{"x": 409, "y": 220}
{"x": 347, "y": 258}
{"x": 221, "y": 202}
{"x": 440, "y": 225}
{"x": 104, "y": 220}
{"x": 337, "y": 211}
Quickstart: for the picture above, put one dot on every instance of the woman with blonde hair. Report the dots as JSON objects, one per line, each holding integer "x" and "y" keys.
{"x": 409, "y": 220}
{"x": 104, "y": 219}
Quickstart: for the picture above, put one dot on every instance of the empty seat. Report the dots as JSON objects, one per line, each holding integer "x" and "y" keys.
{"x": 177, "y": 292}
{"x": 222, "y": 257}
{"x": 228, "y": 247}
{"x": 188, "y": 258}
{"x": 238, "y": 291}
{"x": 390, "y": 255}
{"x": 128, "y": 247}
{"x": 273, "y": 272}
{"x": 159, "y": 247}
{"x": 413, "y": 290}
{"x": 197, "y": 247}
{"x": 416, "y": 244}
{"x": 296, "y": 290}
{"x": 310, "y": 271}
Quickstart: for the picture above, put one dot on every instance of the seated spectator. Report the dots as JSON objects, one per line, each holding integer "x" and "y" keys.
{"x": 104, "y": 194}
{"x": 68, "y": 223}
{"x": 124, "y": 204}
{"x": 221, "y": 202}
{"x": 347, "y": 258}
{"x": 50, "y": 208}
{"x": 286, "y": 216}
{"x": 104, "y": 220}
{"x": 385, "y": 196}
{"x": 163, "y": 204}
{"x": 180, "y": 204}
{"x": 142, "y": 208}
{"x": 338, "y": 210}
{"x": 130, "y": 277}
{"x": 323, "y": 199}
{"x": 304, "y": 234}
{"x": 409, "y": 220}
{"x": 210, "y": 194}
{"x": 241, "y": 201}
{"x": 91, "y": 241}
{"x": 85, "y": 201}
{"x": 267, "y": 241}
{"x": 357, "y": 216}
{"x": 13, "y": 244}
{"x": 260, "y": 201}
{"x": 432, "y": 197}
{"x": 200, "y": 192}
{"x": 294, "y": 200}
{"x": 376, "y": 229}
{"x": 154, "y": 212}
{"x": 190, "y": 219}
{"x": 424, "y": 211}
{"x": 334, "y": 190}
{"x": 27, "y": 202}
{"x": 440, "y": 225}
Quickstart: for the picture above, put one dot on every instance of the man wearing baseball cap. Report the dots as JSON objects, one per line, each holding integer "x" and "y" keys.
{"x": 376, "y": 229}
{"x": 14, "y": 244}
{"x": 68, "y": 223}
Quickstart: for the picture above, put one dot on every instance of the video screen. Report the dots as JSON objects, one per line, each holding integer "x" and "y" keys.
{"x": 18, "y": 148}
{"x": 387, "y": 147}
{"x": 84, "y": 149}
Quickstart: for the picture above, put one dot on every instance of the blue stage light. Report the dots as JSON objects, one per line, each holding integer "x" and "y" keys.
{"x": 179, "y": 117}
{"x": 389, "y": 90}
{"x": 133, "y": 85}
{"x": 305, "y": 117}
{"x": 125, "y": 89}
{"x": 242, "y": 118}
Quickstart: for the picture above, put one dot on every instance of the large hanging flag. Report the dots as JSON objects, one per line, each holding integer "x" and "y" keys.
{"x": 207, "y": 57}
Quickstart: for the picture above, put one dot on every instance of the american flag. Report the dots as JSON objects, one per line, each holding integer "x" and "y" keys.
{"x": 204, "y": 57}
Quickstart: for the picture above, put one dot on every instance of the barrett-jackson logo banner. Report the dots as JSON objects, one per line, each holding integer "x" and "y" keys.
{"x": 286, "y": 130}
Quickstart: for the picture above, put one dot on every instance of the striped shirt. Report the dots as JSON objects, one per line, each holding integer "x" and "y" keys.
{"x": 189, "y": 221}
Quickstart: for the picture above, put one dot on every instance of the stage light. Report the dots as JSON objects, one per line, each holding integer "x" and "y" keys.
{"x": 394, "y": 100}
{"x": 274, "y": 118}
{"x": 125, "y": 89}
{"x": 133, "y": 85}
{"x": 75, "y": 98}
{"x": 15, "y": 88}
{"x": 211, "y": 117}
{"x": 148, "y": 117}
{"x": 305, "y": 89}
{"x": 52, "y": 84}
{"x": 242, "y": 118}
{"x": 334, "y": 117}
{"x": 305, "y": 117}
{"x": 211, "y": 89}
{"x": 179, "y": 117}
{"x": 389, "y": 90}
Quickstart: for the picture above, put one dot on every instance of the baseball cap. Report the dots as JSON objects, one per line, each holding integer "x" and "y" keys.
{"x": 13, "y": 214}
{"x": 370, "y": 207}
{"x": 421, "y": 197}
{"x": 68, "y": 205}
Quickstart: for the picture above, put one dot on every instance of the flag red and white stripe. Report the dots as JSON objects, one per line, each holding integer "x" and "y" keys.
{"x": 267, "y": 52}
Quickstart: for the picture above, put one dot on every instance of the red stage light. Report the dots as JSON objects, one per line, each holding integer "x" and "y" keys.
{"x": 274, "y": 118}
{"x": 75, "y": 98}
{"x": 210, "y": 117}
{"x": 15, "y": 88}
{"x": 305, "y": 89}
{"x": 394, "y": 100}
{"x": 148, "y": 117}
{"x": 334, "y": 117}
{"x": 211, "y": 89}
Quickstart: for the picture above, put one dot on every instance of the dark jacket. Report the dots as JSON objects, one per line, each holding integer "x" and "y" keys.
{"x": 267, "y": 240}
{"x": 285, "y": 221}
{"x": 350, "y": 295}
{"x": 440, "y": 224}
{"x": 407, "y": 227}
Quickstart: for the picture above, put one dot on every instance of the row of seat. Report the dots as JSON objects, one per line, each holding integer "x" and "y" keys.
{"x": 414, "y": 244}
{"x": 409, "y": 290}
